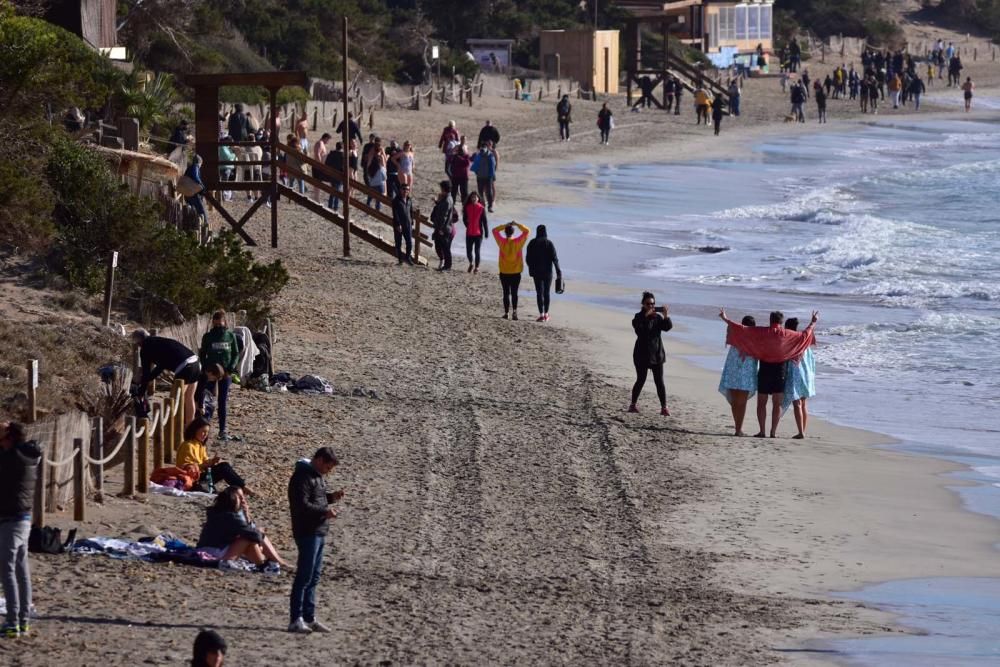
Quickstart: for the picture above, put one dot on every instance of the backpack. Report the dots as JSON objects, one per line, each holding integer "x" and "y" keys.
{"x": 48, "y": 540}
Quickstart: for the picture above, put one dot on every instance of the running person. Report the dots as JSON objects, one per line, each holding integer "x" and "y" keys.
{"x": 511, "y": 263}
{"x": 648, "y": 353}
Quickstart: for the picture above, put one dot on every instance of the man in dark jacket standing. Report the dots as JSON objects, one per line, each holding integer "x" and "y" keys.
{"x": 309, "y": 503}
{"x": 441, "y": 218}
{"x": 18, "y": 474}
{"x": 488, "y": 133}
{"x": 218, "y": 346}
{"x": 402, "y": 223}
{"x": 541, "y": 257}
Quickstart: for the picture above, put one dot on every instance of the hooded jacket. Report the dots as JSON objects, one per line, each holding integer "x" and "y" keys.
{"x": 541, "y": 255}
{"x": 18, "y": 475}
{"x": 308, "y": 501}
{"x": 219, "y": 346}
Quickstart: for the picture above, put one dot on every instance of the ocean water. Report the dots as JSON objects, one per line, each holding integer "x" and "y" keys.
{"x": 890, "y": 230}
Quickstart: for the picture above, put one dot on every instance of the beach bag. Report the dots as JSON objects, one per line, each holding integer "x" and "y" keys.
{"x": 188, "y": 187}
{"x": 48, "y": 540}
{"x": 560, "y": 285}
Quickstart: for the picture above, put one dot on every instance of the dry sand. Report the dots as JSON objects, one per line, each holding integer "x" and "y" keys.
{"x": 501, "y": 507}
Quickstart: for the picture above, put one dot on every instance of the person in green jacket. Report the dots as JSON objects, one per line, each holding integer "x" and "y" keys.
{"x": 218, "y": 346}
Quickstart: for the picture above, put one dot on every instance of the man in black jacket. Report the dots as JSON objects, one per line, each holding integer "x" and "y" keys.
{"x": 541, "y": 257}
{"x": 488, "y": 133}
{"x": 309, "y": 503}
{"x": 159, "y": 354}
{"x": 402, "y": 223}
{"x": 441, "y": 218}
{"x": 18, "y": 473}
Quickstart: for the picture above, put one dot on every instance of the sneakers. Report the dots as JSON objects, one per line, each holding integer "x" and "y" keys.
{"x": 514, "y": 316}
{"x": 298, "y": 626}
{"x": 229, "y": 566}
{"x": 270, "y": 567}
{"x": 541, "y": 318}
{"x": 506, "y": 316}
{"x": 632, "y": 408}
{"x": 469, "y": 270}
{"x": 546, "y": 317}
{"x": 24, "y": 629}
{"x": 664, "y": 411}
{"x": 316, "y": 626}
{"x": 11, "y": 631}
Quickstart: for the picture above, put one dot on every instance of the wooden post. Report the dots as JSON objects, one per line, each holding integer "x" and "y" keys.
{"x": 361, "y": 106}
{"x": 371, "y": 118}
{"x": 79, "y": 492}
{"x": 178, "y": 420}
{"x": 416, "y": 97}
{"x": 416, "y": 239}
{"x": 168, "y": 431}
{"x": 32, "y": 390}
{"x": 347, "y": 142}
{"x": 128, "y": 488}
{"x": 470, "y": 94}
{"x": 482, "y": 84}
{"x": 158, "y": 437}
{"x": 430, "y": 97}
{"x": 142, "y": 483}
{"x": 109, "y": 287}
{"x": 41, "y": 478}
{"x": 273, "y": 101}
{"x": 381, "y": 97}
{"x": 975, "y": 54}
{"x": 97, "y": 453}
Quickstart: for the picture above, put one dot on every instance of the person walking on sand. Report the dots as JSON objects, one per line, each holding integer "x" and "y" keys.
{"x": 541, "y": 258}
{"x": 605, "y": 121}
{"x": 488, "y": 133}
{"x": 309, "y": 504}
{"x": 564, "y": 112}
{"x": 917, "y": 88}
{"x": 968, "y": 87}
{"x": 218, "y": 346}
{"x": 402, "y": 224}
{"x": 19, "y": 459}
{"x": 474, "y": 217}
{"x": 739, "y": 380}
{"x": 798, "y": 97}
{"x": 484, "y": 166}
{"x": 510, "y": 262}
{"x": 678, "y": 94}
{"x": 821, "y": 105}
{"x": 800, "y": 384}
{"x": 648, "y": 353}
{"x": 772, "y": 347}
{"x": 717, "y": 113}
{"x": 444, "y": 226}
{"x": 302, "y": 132}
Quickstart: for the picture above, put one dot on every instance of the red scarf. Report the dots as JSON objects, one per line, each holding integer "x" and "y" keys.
{"x": 773, "y": 344}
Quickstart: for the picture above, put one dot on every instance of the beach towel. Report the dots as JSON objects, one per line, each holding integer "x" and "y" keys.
{"x": 774, "y": 344}
{"x": 248, "y": 351}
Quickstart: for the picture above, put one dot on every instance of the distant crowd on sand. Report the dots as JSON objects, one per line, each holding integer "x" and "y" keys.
{"x": 775, "y": 362}
{"x": 885, "y": 77}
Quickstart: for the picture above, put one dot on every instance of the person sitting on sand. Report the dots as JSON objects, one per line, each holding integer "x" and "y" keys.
{"x": 194, "y": 451}
{"x": 648, "y": 353}
{"x": 209, "y": 649}
{"x": 800, "y": 383}
{"x": 510, "y": 262}
{"x": 158, "y": 354}
{"x": 772, "y": 346}
{"x": 739, "y": 380}
{"x": 229, "y": 531}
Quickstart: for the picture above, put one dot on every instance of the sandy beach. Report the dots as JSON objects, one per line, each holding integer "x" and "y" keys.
{"x": 501, "y": 507}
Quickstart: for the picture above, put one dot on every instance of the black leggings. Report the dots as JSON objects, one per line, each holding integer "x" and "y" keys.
{"x": 223, "y": 472}
{"x": 640, "y": 379}
{"x": 510, "y": 282}
{"x": 542, "y": 288}
{"x": 473, "y": 243}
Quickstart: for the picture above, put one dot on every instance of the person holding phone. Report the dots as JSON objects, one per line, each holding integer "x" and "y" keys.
{"x": 648, "y": 353}
{"x": 309, "y": 503}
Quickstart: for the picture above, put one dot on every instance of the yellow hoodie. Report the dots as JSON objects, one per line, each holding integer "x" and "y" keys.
{"x": 192, "y": 452}
{"x": 511, "y": 260}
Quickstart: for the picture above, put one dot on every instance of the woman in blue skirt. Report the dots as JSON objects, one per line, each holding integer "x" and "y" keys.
{"x": 800, "y": 384}
{"x": 739, "y": 380}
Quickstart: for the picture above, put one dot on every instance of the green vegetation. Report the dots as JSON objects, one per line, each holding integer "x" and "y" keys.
{"x": 61, "y": 203}
{"x": 851, "y": 18}
{"x": 978, "y": 15}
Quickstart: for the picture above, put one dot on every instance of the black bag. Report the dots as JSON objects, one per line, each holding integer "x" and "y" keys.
{"x": 48, "y": 540}
{"x": 560, "y": 285}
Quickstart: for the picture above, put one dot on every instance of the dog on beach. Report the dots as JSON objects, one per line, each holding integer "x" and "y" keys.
{"x": 790, "y": 118}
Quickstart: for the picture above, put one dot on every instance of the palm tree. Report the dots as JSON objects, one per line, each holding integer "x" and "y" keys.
{"x": 150, "y": 102}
